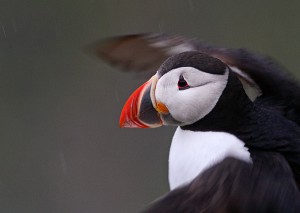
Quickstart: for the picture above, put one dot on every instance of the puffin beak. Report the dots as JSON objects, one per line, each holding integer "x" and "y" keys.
{"x": 141, "y": 109}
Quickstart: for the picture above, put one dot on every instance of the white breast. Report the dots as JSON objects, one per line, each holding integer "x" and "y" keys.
{"x": 193, "y": 152}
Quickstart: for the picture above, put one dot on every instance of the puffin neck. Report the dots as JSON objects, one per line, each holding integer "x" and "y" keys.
{"x": 233, "y": 109}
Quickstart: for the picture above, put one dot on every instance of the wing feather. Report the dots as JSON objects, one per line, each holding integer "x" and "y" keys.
{"x": 235, "y": 186}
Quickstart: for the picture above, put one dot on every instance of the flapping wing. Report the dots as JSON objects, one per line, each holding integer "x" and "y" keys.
{"x": 235, "y": 186}
{"x": 140, "y": 53}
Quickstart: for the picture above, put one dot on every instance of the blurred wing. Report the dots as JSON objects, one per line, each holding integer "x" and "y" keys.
{"x": 260, "y": 75}
{"x": 235, "y": 186}
{"x": 140, "y": 53}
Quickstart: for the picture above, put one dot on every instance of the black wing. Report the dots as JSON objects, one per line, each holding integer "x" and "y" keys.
{"x": 235, "y": 186}
{"x": 146, "y": 52}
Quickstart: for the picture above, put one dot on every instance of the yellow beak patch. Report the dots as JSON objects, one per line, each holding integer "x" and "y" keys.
{"x": 161, "y": 108}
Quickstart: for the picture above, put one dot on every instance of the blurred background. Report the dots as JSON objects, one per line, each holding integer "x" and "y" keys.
{"x": 61, "y": 149}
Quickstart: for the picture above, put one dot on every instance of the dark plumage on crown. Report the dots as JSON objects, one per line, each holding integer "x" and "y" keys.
{"x": 193, "y": 59}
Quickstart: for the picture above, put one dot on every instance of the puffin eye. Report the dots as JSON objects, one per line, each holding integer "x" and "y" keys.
{"x": 182, "y": 84}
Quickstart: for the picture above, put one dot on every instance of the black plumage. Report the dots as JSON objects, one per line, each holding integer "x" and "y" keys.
{"x": 193, "y": 59}
{"x": 233, "y": 186}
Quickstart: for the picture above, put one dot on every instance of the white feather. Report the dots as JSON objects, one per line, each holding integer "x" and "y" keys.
{"x": 190, "y": 105}
{"x": 251, "y": 88}
{"x": 192, "y": 152}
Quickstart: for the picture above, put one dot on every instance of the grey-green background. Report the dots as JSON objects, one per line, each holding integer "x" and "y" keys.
{"x": 60, "y": 146}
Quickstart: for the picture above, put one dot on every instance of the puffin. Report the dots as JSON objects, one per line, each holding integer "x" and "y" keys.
{"x": 237, "y": 143}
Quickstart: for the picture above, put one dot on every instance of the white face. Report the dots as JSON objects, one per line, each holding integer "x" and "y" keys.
{"x": 190, "y": 105}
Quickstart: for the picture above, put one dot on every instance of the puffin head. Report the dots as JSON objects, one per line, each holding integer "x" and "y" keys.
{"x": 184, "y": 90}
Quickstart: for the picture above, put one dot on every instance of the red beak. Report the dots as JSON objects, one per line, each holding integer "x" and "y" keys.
{"x": 138, "y": 111}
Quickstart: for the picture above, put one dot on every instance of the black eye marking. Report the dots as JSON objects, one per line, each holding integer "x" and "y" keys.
{"x": 182, "y": 84}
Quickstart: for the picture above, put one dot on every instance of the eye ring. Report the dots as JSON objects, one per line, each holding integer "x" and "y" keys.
{"x": 182, "y": 84}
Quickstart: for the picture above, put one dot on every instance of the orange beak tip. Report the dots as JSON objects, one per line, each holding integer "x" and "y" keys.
{"x": 129, "y": 115}
{"x": 138, "y": 111}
